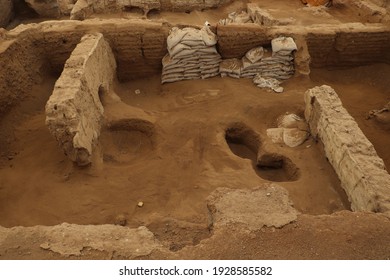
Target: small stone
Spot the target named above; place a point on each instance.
(268, 194)
(45, 246)
(140, 204)
(137, 91)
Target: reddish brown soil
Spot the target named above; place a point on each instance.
(188, 159)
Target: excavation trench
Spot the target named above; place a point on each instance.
(175, 161)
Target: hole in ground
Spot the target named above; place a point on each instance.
(276, 167)
(245, 143)
(126, 140)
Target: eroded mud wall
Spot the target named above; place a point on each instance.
(328, 45)
(351, 45)
(22, 63)
(30, 50)
(362, 173)
(235, 40)
(74, 111)
(138, 46)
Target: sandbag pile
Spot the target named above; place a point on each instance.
(191, 55)
(260, 63)
(292, 130)
(278, 65)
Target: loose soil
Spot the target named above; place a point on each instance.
(189, 158)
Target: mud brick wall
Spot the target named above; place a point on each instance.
(190, 5)
(362, 173)
(329, 45)
(234, 40)
(138, 46)
(29, 50)
(74, 111)
(349, 46)
(22, 62)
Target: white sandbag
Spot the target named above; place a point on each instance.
(255, 54)
(294, 137)
(177, 49)
(174, 37)
(232, 65)
(270, 83)
(276, 135)
(205, 76)
(210, 71)
(193, 43)
(184, 53)
(208, 37)
(283, 44)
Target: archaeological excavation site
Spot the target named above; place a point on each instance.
(194, 129)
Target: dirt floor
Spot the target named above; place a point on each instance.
(189, 155)
(173, 172)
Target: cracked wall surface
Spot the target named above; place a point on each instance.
(362, 173)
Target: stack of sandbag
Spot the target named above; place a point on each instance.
(292, 130)
(278, 65)
(262, 63)
(230, 67)
(191, 55)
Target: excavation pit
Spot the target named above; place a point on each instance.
(164, 149)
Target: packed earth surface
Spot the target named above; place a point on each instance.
(116, 144)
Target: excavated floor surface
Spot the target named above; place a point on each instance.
(190, 157)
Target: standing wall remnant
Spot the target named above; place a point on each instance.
(74, 111)
(361, 171)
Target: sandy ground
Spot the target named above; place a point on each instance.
(174, 172)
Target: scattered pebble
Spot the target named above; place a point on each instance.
(45, 246)
(140, 204)
(137, 91)
(268, 194)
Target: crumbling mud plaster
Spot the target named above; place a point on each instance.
(70, 240)
(74, 111)
(362, 173)
(266, 205)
